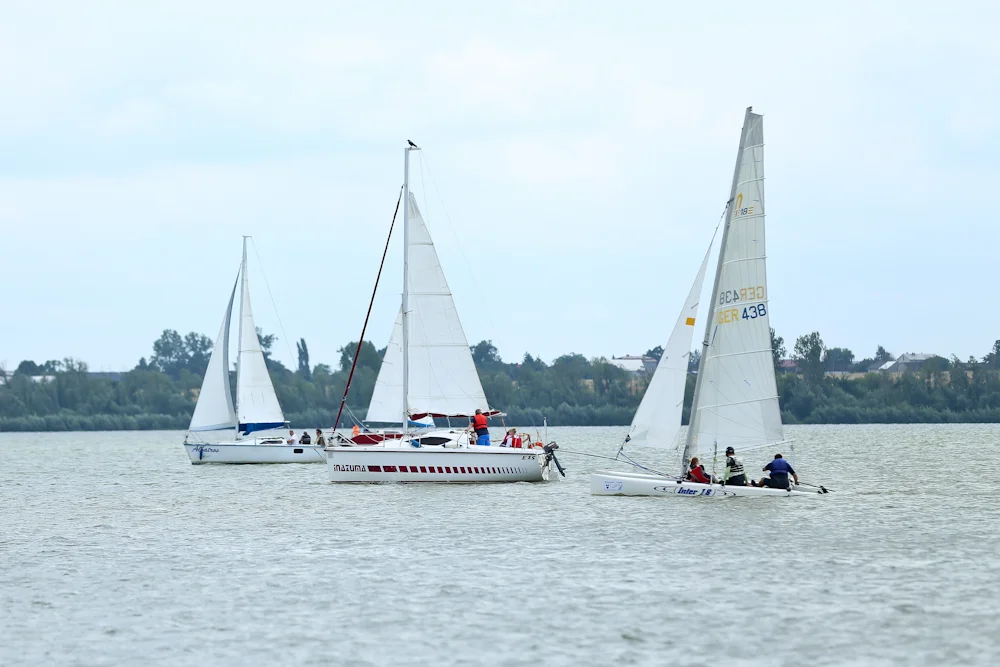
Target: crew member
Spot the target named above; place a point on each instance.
(734, 475)
(320, 440)
(511, 439)
(479, 424)
(697, 473)
(780, 469)
(305, 439)
(291, 438)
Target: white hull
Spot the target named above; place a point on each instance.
(249, 452)
(640, 484)
(473, 464)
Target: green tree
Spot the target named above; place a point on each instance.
(838, 359)
(170, 354)
(778, 350)
(303, 353)
(808, 356)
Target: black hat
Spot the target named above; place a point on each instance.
(730, 450)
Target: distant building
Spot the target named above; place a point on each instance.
(635, 365)
(788, 366)
(911, 361)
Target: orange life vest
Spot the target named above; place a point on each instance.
(479, 423)
(355, 430)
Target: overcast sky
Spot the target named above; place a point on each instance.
(581, 155)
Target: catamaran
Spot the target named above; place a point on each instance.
(736, 395)
(226, 431)
(428, 371)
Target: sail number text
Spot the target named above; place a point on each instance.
(742, 294)
(728, 315)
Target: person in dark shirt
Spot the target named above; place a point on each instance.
(780, 469)
(305, 439)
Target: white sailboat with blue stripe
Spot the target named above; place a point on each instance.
(244, 430)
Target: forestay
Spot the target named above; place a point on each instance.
(214, 409)
(736, 402)
(658, 418)
(442, 376)
(256, 403)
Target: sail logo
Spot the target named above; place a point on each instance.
(350, 468)
(740, 210)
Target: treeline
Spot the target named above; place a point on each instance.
(161, 391)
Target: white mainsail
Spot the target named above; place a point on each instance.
(736, 398)
(214, 409)
(658, 418)
(442, 378)
(256, 403)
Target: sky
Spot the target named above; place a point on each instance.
(577, 157)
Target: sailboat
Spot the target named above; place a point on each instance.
(226, 431)
(428, 371)
(736, 396)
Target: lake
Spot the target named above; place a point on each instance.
(115, 550)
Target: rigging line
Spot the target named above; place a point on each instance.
(271, 296)
(475, 283)
(361, 339)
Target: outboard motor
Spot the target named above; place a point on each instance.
(550, 455)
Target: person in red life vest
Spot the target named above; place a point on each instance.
(697, 473)
(479, 424)
(511, 439)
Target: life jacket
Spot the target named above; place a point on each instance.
(735, 467)
(355, 430)
(479, 423)
(779, 467)
(518, 442)
(698, 475)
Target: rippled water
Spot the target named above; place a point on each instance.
(115, 550)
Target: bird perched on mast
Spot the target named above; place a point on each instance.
(412, 144)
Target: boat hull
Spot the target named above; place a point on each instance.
(470, 465)
(235, 452)
(636, 484)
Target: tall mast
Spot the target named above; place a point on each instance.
(239, 344)
(406, 281)
(710, 317)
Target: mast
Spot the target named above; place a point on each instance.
(239, 351)
(710, 319)
(406, 282)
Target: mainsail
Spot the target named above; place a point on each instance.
(442, 379)
(736, 398)
(256, 403)
(658, 418)
(214, 409)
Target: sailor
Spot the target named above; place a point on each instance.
(320, 440)
(511, 439)
(479, 424)
(697, 473)
(780, 470)
(291, 438)
(305, 439)
(734, 475)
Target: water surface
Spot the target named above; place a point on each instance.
(115, 550)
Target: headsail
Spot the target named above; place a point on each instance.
(442, 376)
(214, 409)
(658, 418)
(736, 401)
(386, 405)
(256, 403)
